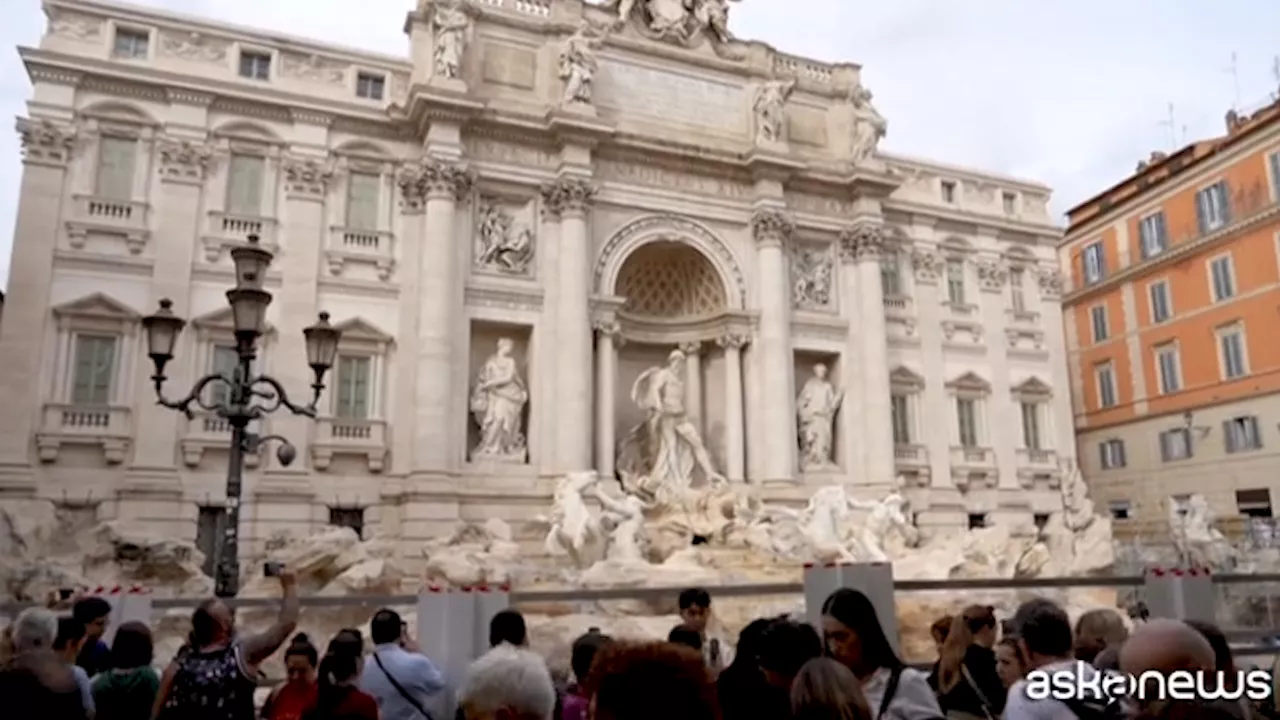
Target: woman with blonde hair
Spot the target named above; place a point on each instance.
(826, 690)
(966, 681)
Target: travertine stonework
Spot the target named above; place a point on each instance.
(688, 190)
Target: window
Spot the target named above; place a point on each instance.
(352, 398)
(1254, 503)
(948, 191)
(1040, 520)
(1169, 368)
(1111, 454)
(1016, 293)
(116, 157)
(1031, 425)
(1106, 379)
(244, 184)
(890, 274)
(1233, 357)
(1161, 306)
(255, 65)
(370, 86)
(955, 282)
(131, 44)
(1175, 444)
(94, 371)
(1181, 503)
(208, 534)
(363, 192)
(967, 420)
(224, 360)
(1010, 202)
(901, 417)
(1223, 276)
(1213, 209)
(1120, 509)
(1153, 235)
(1095, 264)
(1241, 434)
(1098, 319)
(1275, 173)
(977, 521)
(348, 518)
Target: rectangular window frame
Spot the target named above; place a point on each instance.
(1108, 395)
(1111, 454)
(121, 188)
(136, 43)
(373, 222)
(247, 202)
(901, 418)
(1153, 234)
(110, 387)
(1018, 289)
(947, 188)
(1213, 207)
(371, 85)
(1241, 434)
(338, 410)
(1169, 378)
(1168, 445)
(1166, 297)
(891, 274)
(252, 70)
(1032, 430)
(1224, 260)
(1093, 261)
(1224, 367)
(1099, 323)
(1009, 202)
(1120, 509)
(970, 437)
(956, 285)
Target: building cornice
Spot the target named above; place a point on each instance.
(1044, 234)
(959, 172)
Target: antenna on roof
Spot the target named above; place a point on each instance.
(1172, 124)
(1275, 75)
(1234, 70)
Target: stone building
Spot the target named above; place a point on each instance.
(1174, 282)
(596, 190)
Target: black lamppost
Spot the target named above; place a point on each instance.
(248, 396)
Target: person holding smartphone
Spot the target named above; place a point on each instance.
(406, 684)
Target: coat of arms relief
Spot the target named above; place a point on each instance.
(678, 21)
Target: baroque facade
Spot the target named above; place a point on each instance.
(510, 224)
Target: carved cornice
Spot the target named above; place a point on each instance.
(53, 75)
(992, 274)
(864, 241)
(927, 265)
(772, 227)
(44, 142)
(311, 117)
(733, 341)
(306, 176)
(567, 195)
(691, 348)
(182, 96)
(433, 178)
(183, 160)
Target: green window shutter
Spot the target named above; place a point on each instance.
(116, 160)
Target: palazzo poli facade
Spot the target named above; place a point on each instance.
(511, 224)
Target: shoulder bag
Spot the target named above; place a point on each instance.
(400, 689)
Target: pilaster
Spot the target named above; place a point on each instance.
(936, 408)
(772, 229)
(1002, 430)
(734, 438)
(693, 384)
(864, 245)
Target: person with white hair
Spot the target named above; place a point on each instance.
(36, 683)
(508, 683)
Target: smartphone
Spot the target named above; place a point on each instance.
(272, 569)
(65, 593)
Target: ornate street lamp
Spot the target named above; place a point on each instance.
(248, 397)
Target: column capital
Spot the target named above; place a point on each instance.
(992, 274)
(433, 178)
(44, 143)
(1051, 283)
(864, 241)
(567, 195)
(610, 328)
(184, 160)
(307, 177)
(691, 348)
(733, 340)
(927, 265)
(771, 227)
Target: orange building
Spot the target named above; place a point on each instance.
(1172, 318)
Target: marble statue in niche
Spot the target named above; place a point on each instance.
(816, 409)
(660, 455)
(811, 275)
(578, 63)
(452, 31)
(500, 245)
(497, 403)
(869, 126)
(770, 110)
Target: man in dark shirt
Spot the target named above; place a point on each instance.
(92, 612)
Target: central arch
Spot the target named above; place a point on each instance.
(665, 243)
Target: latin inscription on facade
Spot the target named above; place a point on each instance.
(675, 97)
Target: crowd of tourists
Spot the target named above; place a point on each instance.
(57, 666)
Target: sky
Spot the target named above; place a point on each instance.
(1070, 93)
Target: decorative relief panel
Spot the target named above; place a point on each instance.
(192, 46)
(182, 160)
(1022, 340)
(1050, 283)
(312, 68)
(660, 177)
(637, 90)
(504, 237)
(307, 176)
(811, 277)
(928, 265)
(73, 25)
(992, 274)
(669, 280)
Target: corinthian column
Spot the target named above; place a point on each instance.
(863, 244)
(607, 340)
(735, 448)
(570, 199)
(772, 229)
(693, 383)
(438, 437)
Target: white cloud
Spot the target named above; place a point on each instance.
(1069, 92)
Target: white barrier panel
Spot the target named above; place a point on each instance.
(489, 602)
(875, 580)
(1180, 594)
(460, 633)
(134, 605)
(433, 622)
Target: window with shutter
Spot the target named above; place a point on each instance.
(93, 370)
(1016, 294)
(353, 388)
(1275, 174)
(1234, 364)
(224, 361)
(1167, 361)
(1111, 454)
(1151, 231)
(1223, 276)
(890, 275)
(116, 157)
(1161, 309)
(1240, 434)
(244, 184)
(1098, 318)
(362, 201)
(1095, 266)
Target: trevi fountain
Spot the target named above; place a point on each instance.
(640, 304)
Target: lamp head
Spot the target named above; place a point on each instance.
(162, 328)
